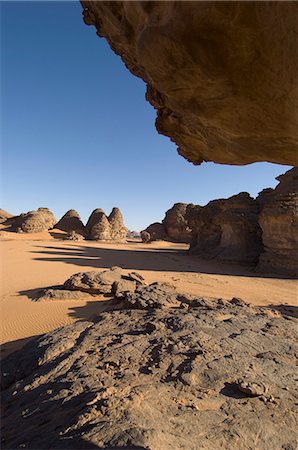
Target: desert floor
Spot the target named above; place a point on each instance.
(31, 262)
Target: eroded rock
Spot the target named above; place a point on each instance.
(71, 223)
(221, 75)
(118, 230)
(33, 221)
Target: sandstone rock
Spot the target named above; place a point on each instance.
(61, 294)
(94, 282)
(162, 380)
(156, 232)
(227, 230)
(33, 221)
(156, 295)
(122, 287)
(93, 219)
(73, 236)
(279, 224)
(253, 388)
(118, 230)
(176, 225)
(71, 222)
(221, 75)
(4, 215)
(101, 230)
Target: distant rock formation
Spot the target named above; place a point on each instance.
(71, 222)
(4, 215)
(101, 230)
(131, 234)
(118, 230)
(94, 217)
(228, 230)
(33, 221)
(222, 76)
(155, 232)
(279, 223)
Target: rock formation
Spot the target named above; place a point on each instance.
(155, 232)
(215, 375)
(118, 230)
(4, 215)
(93, 219)
(176, 225)
(101, 230)
(279, 223)
(227, 230)
(71, 222)
(221, 75)
(33, 221)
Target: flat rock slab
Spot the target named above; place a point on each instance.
(159, 379)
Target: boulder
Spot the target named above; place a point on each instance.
(155, 296)
(145, 236)
(221, 75)
(279, 223)
(118, 230)
(71, 222)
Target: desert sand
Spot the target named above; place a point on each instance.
(31, 262)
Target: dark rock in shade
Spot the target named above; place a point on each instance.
(71, 222)
(176, 225)
(221, 75)
(33, 222)
(279, 224)
(155, 232)
(118, 230)
(228, 230)
(164, 379)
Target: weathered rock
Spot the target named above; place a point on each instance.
(57, 293)
(163, 379)
(118, 230)
(221, 75)
(111, 281)
(101, 230)
(74, 236)
(93, 219)
(33, 221)
(155, 232)
(176, 225)
(71, 222)
(227, 230)
(279, 223)
(253, 388)
(156, 295)
(4, 215)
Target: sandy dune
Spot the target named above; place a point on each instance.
(36, 261)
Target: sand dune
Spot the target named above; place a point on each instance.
(36, 261)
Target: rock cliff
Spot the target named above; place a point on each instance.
(221, 75)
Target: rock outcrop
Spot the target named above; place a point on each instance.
(71, 222)
(155, 232)
(4, 216)
(101, 230)
(118, 230)
(215, 375)
(93, 219)
(33, 221)
(279, 223)
(176, 225)
(221, 75)
(228, 230)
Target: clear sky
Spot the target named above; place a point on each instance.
(78, 133)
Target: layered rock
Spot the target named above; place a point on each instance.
(71, 222)
(33, 222)
(221, 75)
(216, 375)
(279, 223)
(118, 230)
(228, 230)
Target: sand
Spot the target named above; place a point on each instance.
(30, 262)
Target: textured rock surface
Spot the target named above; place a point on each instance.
(93, 219)
(33, 221)
(156, 295)
(155, 232)
(221, 75)
(279, 223)
(118, 230)
(71, 222)
(227, 230)
(176, 225)
(159, 380)
(101, 230)
(4, 215)
(106, 282)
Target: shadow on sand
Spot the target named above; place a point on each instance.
(165, 260)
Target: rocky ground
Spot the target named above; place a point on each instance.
(201, 375)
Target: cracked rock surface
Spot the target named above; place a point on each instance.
(159, 379)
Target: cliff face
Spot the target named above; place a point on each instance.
(279, 223)
(221, 75)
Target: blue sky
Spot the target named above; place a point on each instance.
(78, 133)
